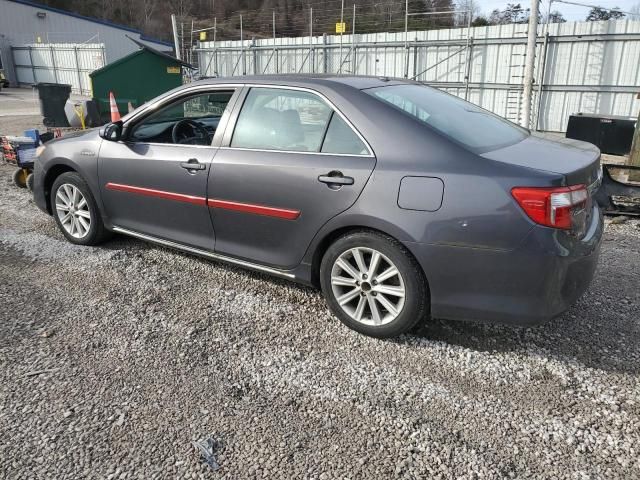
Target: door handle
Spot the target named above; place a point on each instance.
(335, 179)
(193, 164)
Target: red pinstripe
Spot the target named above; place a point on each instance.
(283, 213)
(256, 209)
(149, 192)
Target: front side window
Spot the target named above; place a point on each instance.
(192, 120)
(475, 128)
(281, 119)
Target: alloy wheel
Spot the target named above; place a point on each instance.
(73, 210)
(368, 286)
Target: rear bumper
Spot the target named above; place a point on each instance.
(532, 284)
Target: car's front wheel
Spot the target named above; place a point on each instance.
(373, 284)
(75, 210)
(20, 178)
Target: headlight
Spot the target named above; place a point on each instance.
(39, 150)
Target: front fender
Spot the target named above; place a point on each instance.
(78, 154)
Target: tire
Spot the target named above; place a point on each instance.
(401, 300)
(63, 188)
(19, 178)
(29, 182)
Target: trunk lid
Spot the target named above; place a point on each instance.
(578, 161)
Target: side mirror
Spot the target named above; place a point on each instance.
(111, 131)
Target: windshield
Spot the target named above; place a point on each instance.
(469, 125)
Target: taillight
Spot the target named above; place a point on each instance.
(556, 207)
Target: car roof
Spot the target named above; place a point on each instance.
(295, 80)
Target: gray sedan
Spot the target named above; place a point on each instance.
(399, 201)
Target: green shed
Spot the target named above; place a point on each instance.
(136, 78)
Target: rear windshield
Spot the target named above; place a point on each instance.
(473, 127)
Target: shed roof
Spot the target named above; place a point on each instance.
(143, 48)
(158, 52)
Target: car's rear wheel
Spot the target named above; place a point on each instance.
(373, 284)
(75, 210)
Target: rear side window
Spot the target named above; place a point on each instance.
(281, 119)
(475, 128)
(341, 139)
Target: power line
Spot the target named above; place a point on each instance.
(371, 17)
(579, 4)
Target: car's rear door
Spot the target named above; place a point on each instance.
(151, 185)
(289, 162)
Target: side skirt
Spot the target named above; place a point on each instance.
(206, 254)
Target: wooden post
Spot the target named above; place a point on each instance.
(530, 62)
(634, 155)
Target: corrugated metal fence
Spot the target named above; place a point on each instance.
(590, 67)
(58, 63)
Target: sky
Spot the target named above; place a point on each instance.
(570, 12)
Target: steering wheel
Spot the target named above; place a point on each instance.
(198, 133)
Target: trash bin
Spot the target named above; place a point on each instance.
(53, 97)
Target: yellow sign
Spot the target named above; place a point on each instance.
(173, 69)
(341, 27)
(203, 36)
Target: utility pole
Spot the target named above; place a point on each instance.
(244, 60)
(215, 54)
(274, 54)
(353, 41)
(406, 39)
(176, 42)
(341, 33)
(530, 61)
(634, 155)
(191, 44)
(312, 60)
(469, 54)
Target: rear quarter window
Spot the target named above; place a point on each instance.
(341, 139)
(474, 128)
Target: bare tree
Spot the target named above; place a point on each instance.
(513, 13)
(386, 8)
(554, 17)
(598, 14)
(181, 8)
(466, 7)
(148, 9)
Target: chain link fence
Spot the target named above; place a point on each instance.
(588, 67)
(58, 63)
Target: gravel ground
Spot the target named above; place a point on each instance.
(113, 360)
(18, 124)
(20, 110)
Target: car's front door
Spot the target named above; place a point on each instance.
(289, 164)
(154, 181)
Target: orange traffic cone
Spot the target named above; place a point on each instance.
(115, 114)
(130, 107)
